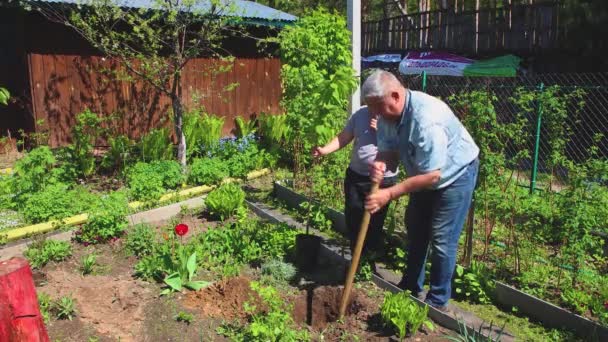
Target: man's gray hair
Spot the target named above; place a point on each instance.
(379, 84)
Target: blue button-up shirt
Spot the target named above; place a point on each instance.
(428, 137)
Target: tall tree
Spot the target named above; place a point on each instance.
(153, 44)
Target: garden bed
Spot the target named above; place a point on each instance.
(110, 304)
(524, 303)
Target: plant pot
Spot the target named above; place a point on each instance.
(307, 251)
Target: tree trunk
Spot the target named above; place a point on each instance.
(20, 318)
(178, 113)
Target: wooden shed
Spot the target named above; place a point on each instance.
(53, 74)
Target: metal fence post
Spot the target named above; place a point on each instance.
(541, 87)
(424, 81)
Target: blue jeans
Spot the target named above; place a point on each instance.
(436, 217)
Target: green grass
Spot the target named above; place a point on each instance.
(521, 327)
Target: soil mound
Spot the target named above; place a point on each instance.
(224, 299)
(320, 306)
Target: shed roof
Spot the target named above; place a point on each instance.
(245, 9)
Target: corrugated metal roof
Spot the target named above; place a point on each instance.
(244, 9)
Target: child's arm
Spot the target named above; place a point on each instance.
(338, 142)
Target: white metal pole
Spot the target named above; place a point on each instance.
(353, 10)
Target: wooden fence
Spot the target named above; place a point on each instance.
(513, 28)
(64, 85)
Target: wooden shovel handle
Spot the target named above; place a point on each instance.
(354, 263)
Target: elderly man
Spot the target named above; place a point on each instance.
(440, 159)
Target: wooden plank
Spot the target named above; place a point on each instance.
(276, 85)
(254, 92)
(38, 88)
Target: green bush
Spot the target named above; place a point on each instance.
(207, 171)
(149, 181)
(32, 173)
(140, 240)
(156, 145)
(474, 283)
(84, 136)
(119, 154)
(107, 220)
(171, 172)
(57, 202)
(42, 252)
(225, 200)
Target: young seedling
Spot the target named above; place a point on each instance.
(184, 317)
(89, 262)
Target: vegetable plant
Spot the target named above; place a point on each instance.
(225, 200)
(45, 302)
(42, 252)
(402, 313)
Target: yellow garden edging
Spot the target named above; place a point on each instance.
(22, 232)
(6, 171)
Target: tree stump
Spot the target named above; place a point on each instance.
(20, 318)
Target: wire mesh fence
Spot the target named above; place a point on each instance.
(584, 98)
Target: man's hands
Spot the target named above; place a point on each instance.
(318, 151)
(376, 171)
(375, 202)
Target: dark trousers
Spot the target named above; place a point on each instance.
(356, 188)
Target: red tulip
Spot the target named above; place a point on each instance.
(606, 305)
(181, 229)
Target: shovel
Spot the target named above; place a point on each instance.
(354, 263)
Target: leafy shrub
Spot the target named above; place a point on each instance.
(57, 202)
(140, 240)
(156, 145)
(314, 216)
(119, 154)
(148, 181)
(402, 313)
(207, 171)
(42, 252)
(171, 172)
(225, 200)
(241, 155)
(107, 220)
(84, 136)
(317, 82)
(473, 283)
(279, 270)
(6, 191)
(33, 172)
